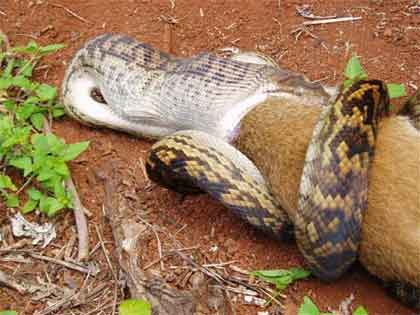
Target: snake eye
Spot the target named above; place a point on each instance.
(97, 96)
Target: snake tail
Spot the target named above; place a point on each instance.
(333, 189)
(191, 161)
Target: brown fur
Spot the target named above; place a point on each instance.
(275, 135)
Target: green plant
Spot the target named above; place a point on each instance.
(281, 278)
(354, 72)
(135, 307)
(8, 313)
(308, 307)
(40, 159)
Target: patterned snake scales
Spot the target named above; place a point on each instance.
(195, 105)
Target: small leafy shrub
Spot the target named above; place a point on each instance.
(41, 159)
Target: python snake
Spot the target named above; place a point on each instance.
(197, 105)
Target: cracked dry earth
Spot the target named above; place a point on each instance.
(387, 39)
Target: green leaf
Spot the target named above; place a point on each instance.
(61, 168)
(23, 82)
(274, 273)
(396, 90)
(25, 111)
(26, 68)
(135, 307)
(24, 163)
(58, 112)
(40, 143)
(308, 307)
(8, 313)
(6, 182)
(34, 194)
(9, 68)
(360, 310)
(29, 206)
(281, 277)
(12, 201)
(37, 121)
(31, 48)
(354, 69)
(46, 92)
(5, 82)
(299, 273)
(45, 173)
(74, 149)
(283, 282)
(50, 206)
(10, 105)
(50, 48)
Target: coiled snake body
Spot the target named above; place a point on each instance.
(197, 104)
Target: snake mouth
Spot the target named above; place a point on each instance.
(97, 96)
(83, 99)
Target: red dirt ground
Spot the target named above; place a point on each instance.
(387, 39)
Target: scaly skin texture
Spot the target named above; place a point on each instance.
(334, 182)
(152, 94)
(390, 239)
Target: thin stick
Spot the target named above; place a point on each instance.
(336, 20)
(67, 264)
(79, 215)
(70, 12)
(81, 222)
(108, 260)
(159, 245)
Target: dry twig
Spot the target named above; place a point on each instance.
(67, 264)
(159, 244)
(78, 210)
(108, 260)
(70, 12)
(334, 20)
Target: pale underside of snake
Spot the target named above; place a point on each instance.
(197, 104)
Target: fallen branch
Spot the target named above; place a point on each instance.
(81, 222)
(127, 232)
